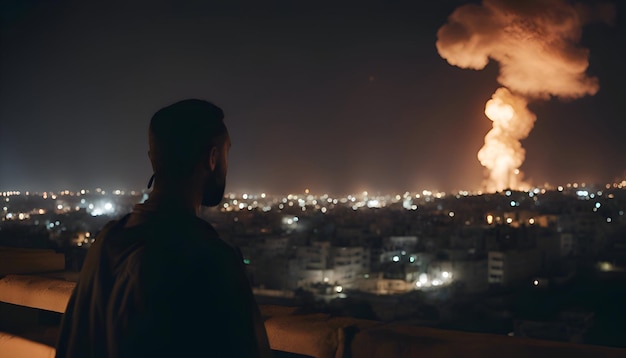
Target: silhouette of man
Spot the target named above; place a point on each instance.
(160, 282)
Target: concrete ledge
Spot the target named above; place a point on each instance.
(36, 292)
(314, 334)
(308, 334)
(29, 261)
(16, 347)
(396, 340)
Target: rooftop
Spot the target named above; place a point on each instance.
(26, 298)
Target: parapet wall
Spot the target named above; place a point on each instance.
(313, 334)
(29, 261)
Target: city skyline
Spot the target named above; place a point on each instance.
(337, 99)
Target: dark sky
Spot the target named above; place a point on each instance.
(335, 98)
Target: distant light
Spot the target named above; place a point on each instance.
(59, 206)
(108, 206)
(560, 188)
(423, 278)
(412, 259)
(323, 210)
(445, 274)
(513, 203)
(489, 219)
(396, 258)
(507, 193)
(246, 261)
(436, 282)
(338, 289)
(245, 196)
(608, 220)
(509, 220)
(451, 214)
(598, 205)
(531, 221)
(536, 283)
(605, 266)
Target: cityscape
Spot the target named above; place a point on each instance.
(546, 263)
(361, 132)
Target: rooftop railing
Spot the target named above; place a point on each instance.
(290, 333)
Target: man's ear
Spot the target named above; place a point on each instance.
(213, 157)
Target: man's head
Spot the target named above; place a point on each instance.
(188, 140)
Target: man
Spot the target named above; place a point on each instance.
(160, 282)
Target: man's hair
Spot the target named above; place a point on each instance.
(181, 133)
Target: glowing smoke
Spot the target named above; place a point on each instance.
(502, 153)
(535, 43)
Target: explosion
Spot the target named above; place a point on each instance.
(535, 43)
(502, 153)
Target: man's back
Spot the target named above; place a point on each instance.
(157, 284)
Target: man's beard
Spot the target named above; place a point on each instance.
(214, 187)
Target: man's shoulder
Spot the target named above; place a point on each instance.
(187, 233)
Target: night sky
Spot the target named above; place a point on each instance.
(334, 98)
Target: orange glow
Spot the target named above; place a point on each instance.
(502, 153)
(497, 110)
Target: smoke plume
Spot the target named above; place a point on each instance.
(536, 44)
